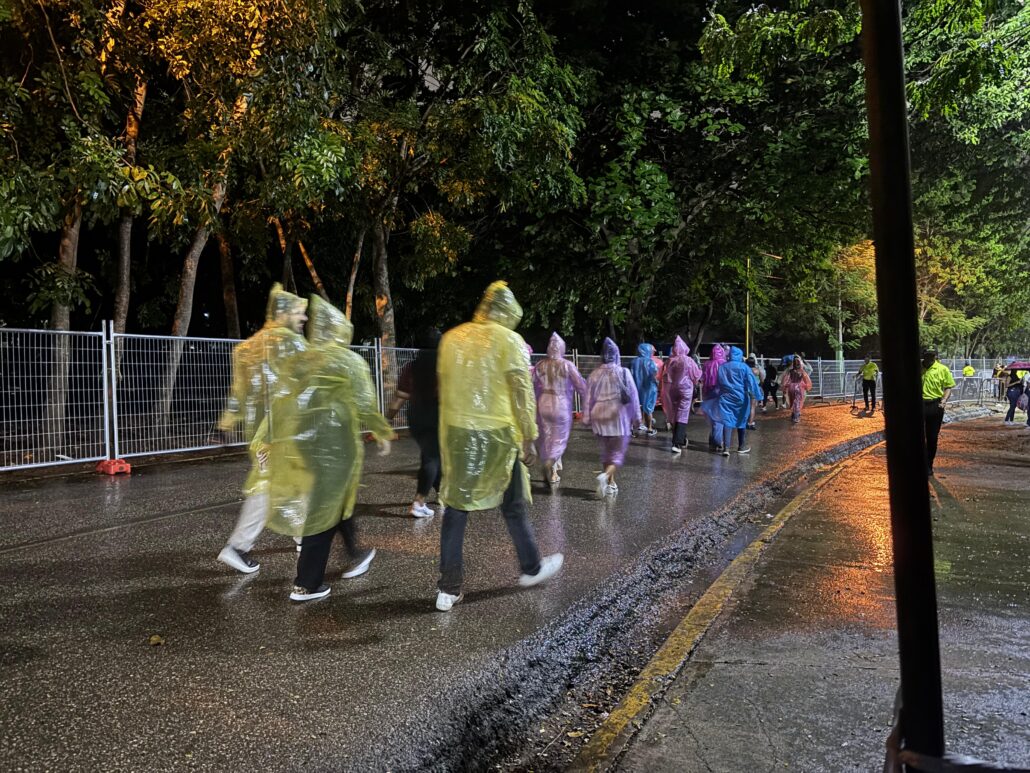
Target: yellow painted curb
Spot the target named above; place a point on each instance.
(609, 739)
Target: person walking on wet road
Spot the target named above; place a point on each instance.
(416, 385)
(611, 410)
(796, 383)
(710, 396)
(737, 388)
(1015, 388)
(678, 381)
(316, 451)
(937, 385)
(264, 371)
(759, 371)
(487, 429)
(645, 376)
(770, 385)
(867, 373)
(555, 382)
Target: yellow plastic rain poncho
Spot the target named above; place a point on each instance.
(264, 370)
(316, 452)
(487, 407)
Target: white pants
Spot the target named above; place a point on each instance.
(250, 523)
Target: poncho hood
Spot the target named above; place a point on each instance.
(327, 324)
(736, 355)
(610, 351)
(645, 351)
(556, 347)
(499, 305)
(680, 348)
(282, 302)
(719, 354)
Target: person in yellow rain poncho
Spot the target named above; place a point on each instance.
(264, 371)
(487, 421)
(315, 450)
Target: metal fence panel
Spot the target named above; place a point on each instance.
(52, 398)
(169, 392)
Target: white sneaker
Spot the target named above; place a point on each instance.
(611, 490)
(652, 432)
(676, 450)
(241, 562)
(557, 465)
(359, 566)
(642, 428)
(1010, 423)
(549, 567)
(421, 510)
(444, 601)
(602, 484)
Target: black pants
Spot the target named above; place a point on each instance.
(516, 516)
(1013, 394)
(933, 415)
(679, 434)
(428, 439)
(314, 553)
(869, 390)
(769, 391)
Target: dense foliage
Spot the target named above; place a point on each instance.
(636, 169)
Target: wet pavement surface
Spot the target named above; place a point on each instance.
(369, 678)
(800, 670)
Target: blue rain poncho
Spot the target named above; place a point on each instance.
(737, 388)
(645, 376)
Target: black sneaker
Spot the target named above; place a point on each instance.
(241, 562)
(303, 594)
(360, 564)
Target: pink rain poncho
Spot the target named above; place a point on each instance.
(710, 386)
(612, 405)
(678, 379)
(555, 380)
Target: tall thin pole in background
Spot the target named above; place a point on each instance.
(921, 719)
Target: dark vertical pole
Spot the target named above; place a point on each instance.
(922, 723)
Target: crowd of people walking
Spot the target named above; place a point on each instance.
(482, 416)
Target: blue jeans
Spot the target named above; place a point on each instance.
(1013, 395)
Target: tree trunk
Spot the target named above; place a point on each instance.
(289, 283)
(121, 297)
(60, 319)
(319, 287)
(696, 340)
(232, 314)
(349, 304)
(384, 302)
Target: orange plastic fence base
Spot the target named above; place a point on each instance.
(114, 467)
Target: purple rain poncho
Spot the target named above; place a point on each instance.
(710, 384)
(645, 376)
(737, 388)
(681, 373)
(610, 418)
(555, 380)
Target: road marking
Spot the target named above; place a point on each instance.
(618, 728)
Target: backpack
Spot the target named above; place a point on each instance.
(1023, 402)
(612, 394)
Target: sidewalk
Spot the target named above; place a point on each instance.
(800, 668)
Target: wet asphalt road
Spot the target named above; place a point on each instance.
(94, 566)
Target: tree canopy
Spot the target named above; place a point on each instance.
(632, 169)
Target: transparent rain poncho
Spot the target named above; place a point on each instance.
(487, 407)
(264, 370)
(681, 373)
(645, 376)
(710, 384)
(612, 406)
(555, 381)
(315, 445)
(737, 388)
